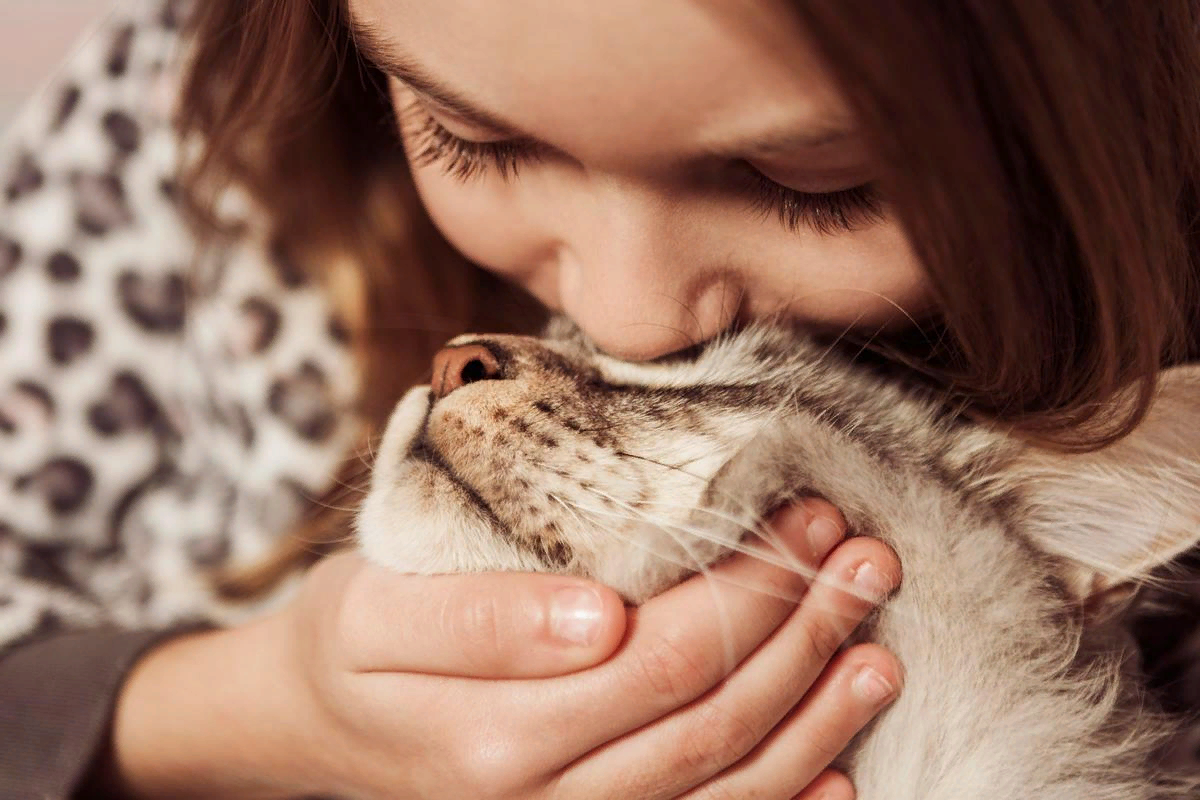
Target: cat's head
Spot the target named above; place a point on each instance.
(546, 455)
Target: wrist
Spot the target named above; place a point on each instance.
(203, 715)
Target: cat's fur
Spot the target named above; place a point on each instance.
(1020, 682)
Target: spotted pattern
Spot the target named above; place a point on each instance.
(154, 303)
(26, 177)
(63, 267)
(160, 415)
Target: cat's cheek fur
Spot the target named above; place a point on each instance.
(415, 518)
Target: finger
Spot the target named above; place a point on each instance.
(689, 746)
(858, 685)
(829, 785)
(491, 625)
(683, 642)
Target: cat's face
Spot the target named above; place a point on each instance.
(565, 460)
(542, 454)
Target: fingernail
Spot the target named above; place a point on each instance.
(575, 615)
(823, 536)
(871, 582)
(872, 687)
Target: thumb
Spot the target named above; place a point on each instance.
(483, 625)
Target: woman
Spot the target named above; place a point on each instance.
(998, 194)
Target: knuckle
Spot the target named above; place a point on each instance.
(478, 623)
(824, 745)
(794, 582)
(671, 671)
(717, 790)
(494, 768)
(349, 619)
(720, 738)
(824, 750)
(823, 635)
(831, 785)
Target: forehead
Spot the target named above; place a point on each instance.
(592, 77)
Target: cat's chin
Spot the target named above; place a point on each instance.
(417, 517)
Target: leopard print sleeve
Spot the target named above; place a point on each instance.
(165, 408)
(91, 301)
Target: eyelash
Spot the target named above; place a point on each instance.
(841, 211)
(461, 158)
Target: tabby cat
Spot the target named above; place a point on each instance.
(1020, 681)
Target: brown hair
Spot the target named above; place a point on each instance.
(288, 112)
(1043, 158)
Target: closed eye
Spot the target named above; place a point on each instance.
(464, 159)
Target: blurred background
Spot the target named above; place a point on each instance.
(35, 36)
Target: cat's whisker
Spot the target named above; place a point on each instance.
(351, 488)
(785, 560)
(699, 567)
(738, 304)
(332, 507)
(695, 564)
(371, 442)
(700, 337)
(750, 522)
(577, 510)
(354, 489)
(914, 325)
(319, 544)
(648, 460)
(721, 576)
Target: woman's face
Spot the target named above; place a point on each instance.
(656, 170)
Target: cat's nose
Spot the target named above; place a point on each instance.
(455, 367)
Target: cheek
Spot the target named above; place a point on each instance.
(490, 223)
(486, 219)
(869, 277)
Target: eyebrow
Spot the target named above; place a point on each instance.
(787, 142)
(372, 46)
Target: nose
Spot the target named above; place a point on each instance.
(455, 367)
(637, 278)
(635, 317)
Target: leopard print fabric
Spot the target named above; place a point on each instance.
(163, 411)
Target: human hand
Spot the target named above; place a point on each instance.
(369, 685)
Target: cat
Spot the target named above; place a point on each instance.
(1020, 681)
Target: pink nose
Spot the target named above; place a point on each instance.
(455, 367)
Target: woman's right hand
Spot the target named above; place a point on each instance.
(377, 685)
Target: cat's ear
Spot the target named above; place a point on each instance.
(1117, 513)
